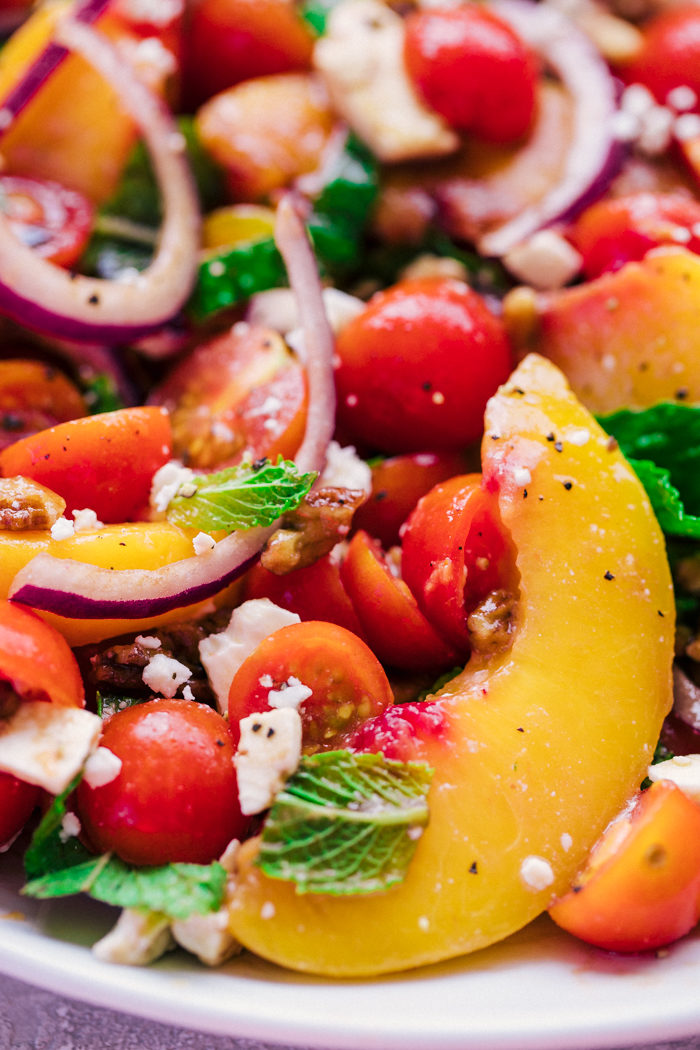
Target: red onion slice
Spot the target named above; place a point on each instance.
(595, 153)
(74, 589)
(45, 297)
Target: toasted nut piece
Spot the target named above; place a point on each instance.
(25, 504)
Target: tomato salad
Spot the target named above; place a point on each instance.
(350, 407)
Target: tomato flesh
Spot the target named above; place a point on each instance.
(17, 802)
(670, 54)
(52, 220)
(34, 396)
(36, 662)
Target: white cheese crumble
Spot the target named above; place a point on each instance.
(165, 675)
(545, 261)
(268, 753)
(187, 693)
(223, 653)
(147, 641)
(86, 519)
(522, 476)
(536, 873)
(566, 841)
(683, 770)
(102, 767)
(62, 529)
(203, 543)
(136, 939)
(47, 745)
(166, 484)
(277, 308)
(70, 827)
(344, 469)
(290, 694)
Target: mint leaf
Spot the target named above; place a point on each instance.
(109, 704)
(47, 851)
(666, 500)
(176, 890)
(346, 823)
(240, 497)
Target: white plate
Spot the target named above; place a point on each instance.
(540, 990)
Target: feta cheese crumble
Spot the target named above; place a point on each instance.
(102, 767)
(536, 873)
(47, 745)
(268, 753)
(290, 694)
(683, 770)
(164, 675)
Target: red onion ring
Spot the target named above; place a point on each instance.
(45, 297)
(74, 589)
(595, 153)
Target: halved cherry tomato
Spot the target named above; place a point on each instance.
(53, 220)
(395, 628)
(176, 796)
(34, 396)
(347, 681)
(36, 662)
(619, 230)
(398, 482)
(473, 69)
(17, 802)
(418, 366)
(105, 462)
(670, 55)
(233, 40)
(239, 395)
(315, 592)
(450, 567)
(641, 886)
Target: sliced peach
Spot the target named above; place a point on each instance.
(534, 750)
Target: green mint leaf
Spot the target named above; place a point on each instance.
(346, 823)
(109, 704)
(240, 497)
(49, 850)
(666, 500)
(230, 275)
(315, 13)
(101, 394)
(175, 890)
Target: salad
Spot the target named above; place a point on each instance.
(349, 517)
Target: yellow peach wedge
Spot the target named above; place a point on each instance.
(535, 749)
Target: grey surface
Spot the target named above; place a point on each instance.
(32, 1019)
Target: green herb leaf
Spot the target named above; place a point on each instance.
(241, 497)
(346, 823)
(231, 275)
(666, 500)
(315, 13)
(109, 704)
(101, 394)
(48, 851)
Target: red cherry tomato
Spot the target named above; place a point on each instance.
(105, 462)
(640, 889)
(670, 55)
(52, 220)
(418, 365)
(454, 554)
(398, 482)
(36, 662)
(34, 396)
(395, 628)
(614, 232)
(17, 802)
(315, 592)
(239, 394)
(176, 796)
(473, 69)
(347, 681)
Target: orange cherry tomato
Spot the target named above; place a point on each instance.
(17, 802)
(613, 232)
(176, 796)
(347, 682)
(670, 55)
(239, 395)
(473, 69)
(395, 628)
(450, 567)
(105, 462)
(418, 365)
(34, 396)
(49, 218)
(36, 662)
(641, 887)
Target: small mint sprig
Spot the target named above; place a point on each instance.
(240, 497)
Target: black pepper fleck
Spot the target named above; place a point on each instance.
(270, 732)
(558, 446)
(257, 727)
(608, 575)
(568, 485)
(681, 394)
(473, 868)
(94, 299)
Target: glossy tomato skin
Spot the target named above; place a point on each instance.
(347, 681)
(176, 796)
(613, 232)
(34, 396)
(670, 54)
(53, 221)
(36, 662)
(105, 462)
(450, 568)
(418, 365)
(473, 69)
(396, 630)
(641, 888)
(17, 802)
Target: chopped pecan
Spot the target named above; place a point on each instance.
(312, 530)
(491, 623)
(25, 504)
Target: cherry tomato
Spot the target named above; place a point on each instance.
(239, 395)
(36, 662)
(613, 232)
(418, 365)
(640, 889)
(398, 482)
(315, 592)
(17, 802)
(347, 681)
(670, 55)
(105, 462)
(473, 69)
(54, 221)
(233, 40)
(395, 628)
(176, 796)
(450, 567)
(34, 396)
